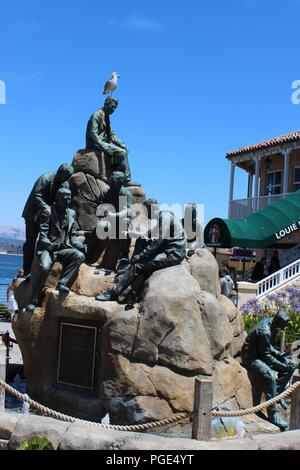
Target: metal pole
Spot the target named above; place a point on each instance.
(2, 373)
(202, 409)
(295, 406)
(282, 341)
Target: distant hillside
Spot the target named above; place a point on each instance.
(12, 233)
(11, 239)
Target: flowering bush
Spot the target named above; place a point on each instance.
(288, 299)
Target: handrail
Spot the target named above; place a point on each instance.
(278, 279)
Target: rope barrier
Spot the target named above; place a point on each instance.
(62, 417)
(143, 427)
(255, 409)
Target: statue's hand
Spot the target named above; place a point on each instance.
(135, 259)
(109, 151)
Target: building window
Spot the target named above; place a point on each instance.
(273, 185)
(296, 178)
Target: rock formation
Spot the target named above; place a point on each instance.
(88, 183)
(147, 356)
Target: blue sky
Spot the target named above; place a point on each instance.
(198, 78)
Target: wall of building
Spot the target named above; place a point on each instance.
(277, 163)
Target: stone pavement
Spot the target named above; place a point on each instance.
(16, 428)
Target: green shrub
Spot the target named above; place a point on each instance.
(36, 443)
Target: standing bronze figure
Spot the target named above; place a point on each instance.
(42, 196)
(58, 242)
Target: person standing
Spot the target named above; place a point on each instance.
(10, 297)
(274, 264)
(258, 272)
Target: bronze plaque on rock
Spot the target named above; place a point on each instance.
(77, 351)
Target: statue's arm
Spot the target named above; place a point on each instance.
(275, 352)
(44, 242)
(74, 240)
(39, 193)
(126, 210)
(115, 140)
(265, 353)
(96, 132)
(163, 232)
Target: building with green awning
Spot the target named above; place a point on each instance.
(262, 229)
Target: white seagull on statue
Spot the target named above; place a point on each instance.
(111, 84)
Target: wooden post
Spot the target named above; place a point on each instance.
(202, 409)
(295, 406)
(2, 373)
(282, 341)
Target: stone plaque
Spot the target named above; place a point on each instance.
(77, 351)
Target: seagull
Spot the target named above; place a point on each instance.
(111, 84)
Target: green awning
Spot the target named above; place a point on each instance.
(261, 229)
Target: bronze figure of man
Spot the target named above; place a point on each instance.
(58, 242)
(99, 135)
(42, 196)
(269, 370)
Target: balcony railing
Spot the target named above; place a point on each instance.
(241, 208)
(278, 279)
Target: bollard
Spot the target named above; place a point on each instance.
(202, 409)
(2, 373)
(295, 406)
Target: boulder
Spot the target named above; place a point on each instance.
(91, 162)
(148, 356)
(204, 268)
(216, 325)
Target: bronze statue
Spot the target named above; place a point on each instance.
(42, 196)
(165, 247)
(261, 360)
(114, 211)
(58, 242)
(99, 135)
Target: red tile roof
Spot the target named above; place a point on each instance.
(293, 136)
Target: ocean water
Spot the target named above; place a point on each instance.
(9, 267)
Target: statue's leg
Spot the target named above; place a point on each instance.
(267, 378)
(46, 263)
(71, 259)
(32, 231)
(164, 260)
(124, 167)
(283, 379)
(124, 281)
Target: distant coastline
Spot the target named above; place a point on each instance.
(10, 254)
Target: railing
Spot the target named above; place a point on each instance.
(241, 208)
(276, 280)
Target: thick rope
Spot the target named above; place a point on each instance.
(62, 417)
(144, 427)
(255, 409)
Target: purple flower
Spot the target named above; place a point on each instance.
(292, 291)
(273, 298)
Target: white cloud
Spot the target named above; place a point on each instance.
(137, 23)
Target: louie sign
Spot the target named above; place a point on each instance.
(288, 230)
